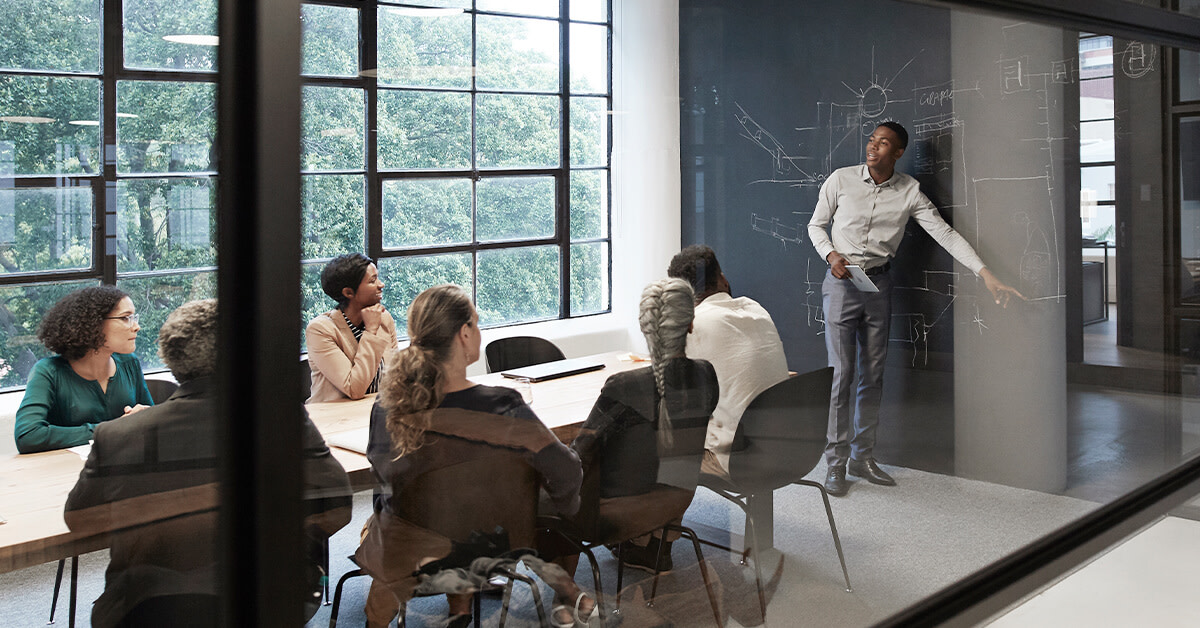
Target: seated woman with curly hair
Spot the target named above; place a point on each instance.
(95, 376)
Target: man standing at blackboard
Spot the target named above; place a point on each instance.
(859, 221)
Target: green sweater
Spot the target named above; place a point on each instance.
(60, 409)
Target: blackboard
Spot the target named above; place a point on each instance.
(776, 94)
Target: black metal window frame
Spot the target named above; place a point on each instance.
(375, 177)
(1085, 165)
(104, 267)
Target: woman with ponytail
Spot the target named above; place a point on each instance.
(645, 419)
(425, 399)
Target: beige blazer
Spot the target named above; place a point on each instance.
(342, 367)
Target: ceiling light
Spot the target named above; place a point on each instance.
(196, 40)
(26, 119)
(422, 11)
(85, 122)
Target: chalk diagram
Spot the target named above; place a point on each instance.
(936, 146)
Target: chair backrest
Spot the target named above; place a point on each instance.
(161, 389)
(518, 351)
(497, 487)
(789, 420)
(305, 377)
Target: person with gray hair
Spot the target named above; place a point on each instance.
(644, 416)
(150, 482)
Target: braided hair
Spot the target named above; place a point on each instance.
(411, 385)
(665, 316)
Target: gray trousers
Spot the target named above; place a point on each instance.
(856, 335)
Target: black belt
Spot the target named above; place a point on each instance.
(879, 269)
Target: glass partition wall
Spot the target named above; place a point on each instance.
(138, 152)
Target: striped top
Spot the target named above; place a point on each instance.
(358, 332)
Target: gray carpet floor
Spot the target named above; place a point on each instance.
(901, 544)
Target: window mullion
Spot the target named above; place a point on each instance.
(563, 207)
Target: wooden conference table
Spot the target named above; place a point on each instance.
(34, 487)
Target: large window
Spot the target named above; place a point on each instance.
(461, 143)
(1097, 156)
(107, 169)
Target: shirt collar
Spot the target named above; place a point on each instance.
(719, 296)
(865, 173)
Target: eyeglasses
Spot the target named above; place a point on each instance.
(130, 320)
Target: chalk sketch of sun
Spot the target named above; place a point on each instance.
(873, 99)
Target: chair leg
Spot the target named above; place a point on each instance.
(508, 587)
(753, 547)
(533, 589)
(662, 542)
(691, 534)
(74, 590)
(587, 551)
(57, 585)
(325, 574)
(478, 607)
(837, 542)
(337, 597)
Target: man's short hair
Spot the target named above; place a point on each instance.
(344, 271)
(697, 265)
(187, 342)
(899, 131)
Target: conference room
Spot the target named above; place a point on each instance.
(550, 157)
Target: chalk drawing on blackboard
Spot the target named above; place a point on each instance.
(873, 99)
(795, 234)
(1064, 71)
(1014, 75)
(785, 168)
(1137, 60)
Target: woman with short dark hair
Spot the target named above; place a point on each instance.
(93, 378)
(346, 345)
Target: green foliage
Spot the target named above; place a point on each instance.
(419, 130)
(148, 21)
(512, 208)
(166, 126)
(63, 35)
(426, 212)
(21, 310)
(334, 209)
(331, 134)
(51, 229)
(155, 298)
(406, 277)
(518, 285)
(166, 129)
(55, 146)
(330, 42)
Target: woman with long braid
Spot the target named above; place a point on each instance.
(425, 396)
(643, 416)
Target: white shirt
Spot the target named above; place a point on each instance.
(740, 340)
(868, 219)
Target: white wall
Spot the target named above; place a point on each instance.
(645, 179)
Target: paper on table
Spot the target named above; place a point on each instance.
(82, 450)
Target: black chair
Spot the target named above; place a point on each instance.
(508, 499)
(782, 436)
(519, 351)
(161, 389)
(612, 521)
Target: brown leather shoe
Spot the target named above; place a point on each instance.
(868, 470)
(835, 481)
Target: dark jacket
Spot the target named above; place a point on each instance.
(159, 468)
